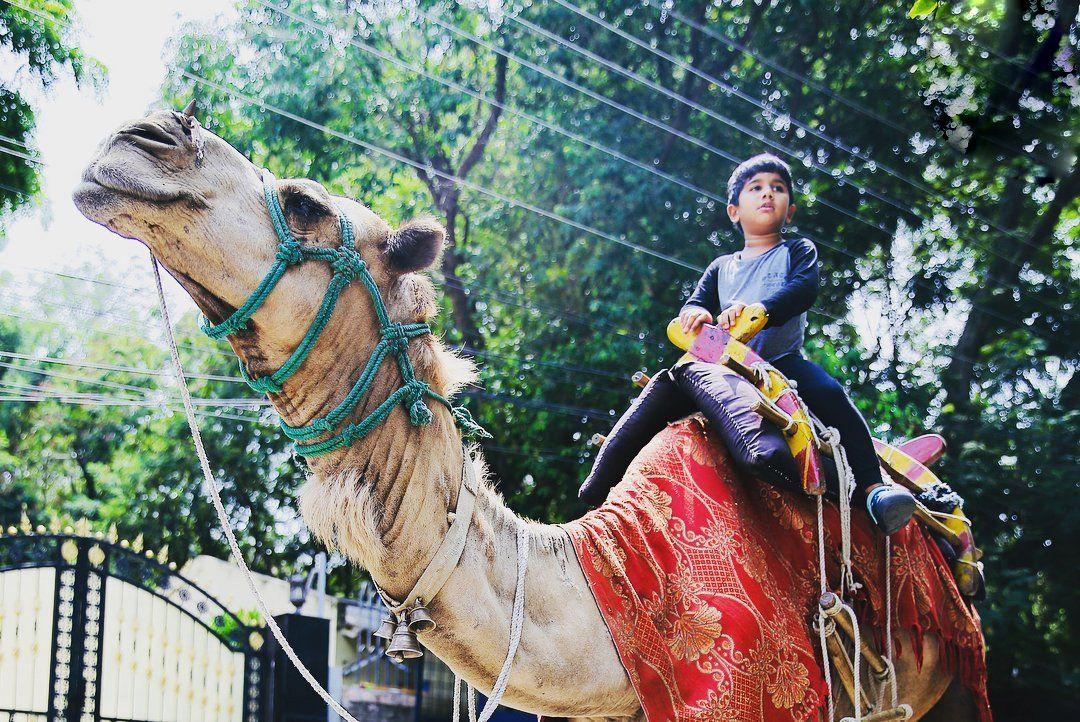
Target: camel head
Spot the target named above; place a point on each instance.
(198, 205)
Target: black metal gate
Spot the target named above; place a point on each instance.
(92, 629)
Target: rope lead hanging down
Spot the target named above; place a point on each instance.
(219, 507)
(831, 437)
(517, 620)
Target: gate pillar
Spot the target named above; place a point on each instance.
(291, 698)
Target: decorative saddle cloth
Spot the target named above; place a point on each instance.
(707, 580)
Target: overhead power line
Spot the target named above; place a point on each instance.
(413, 68)
(24, 156)
(351, 139)
(836, 142)
(249, 99)
(838, 176)
(117, 368)
(428, 168)
(16, 141)
(492, 102)
(465, 183)
(799, 77)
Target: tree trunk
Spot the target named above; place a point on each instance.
(461, 303)
(1002, 277)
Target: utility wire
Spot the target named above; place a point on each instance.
(498, 297)
(172, 409)
(566, 409)
(836, 175)
(836, 142)
(16, 141)
(503, 359)
(768, 62)
(16, 191)
(492, 102)
(24, 156)
(456, 30)
(512, 201)
(22, 368)
(396, 156)
(615, 154)
(543, 455)
(87, 279)
(801, 78)
(531, 403)
(116, 367)
(515, 202)
(428, 168)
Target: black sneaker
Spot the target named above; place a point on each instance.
(890, 507)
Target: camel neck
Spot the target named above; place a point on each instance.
(383, 499)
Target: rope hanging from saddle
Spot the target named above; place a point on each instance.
(348, 267)
(834, 611)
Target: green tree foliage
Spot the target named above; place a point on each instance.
(38, 36)
(935, 163)
(104, 438)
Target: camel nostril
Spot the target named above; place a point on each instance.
(150, 136)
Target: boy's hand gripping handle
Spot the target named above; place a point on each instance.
(751, 320)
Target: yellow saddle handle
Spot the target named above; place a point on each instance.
(750, 320)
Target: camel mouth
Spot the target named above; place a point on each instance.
(109, 180)
(93, 187)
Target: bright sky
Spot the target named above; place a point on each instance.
(129, 39)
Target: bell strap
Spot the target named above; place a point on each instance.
(449, 552)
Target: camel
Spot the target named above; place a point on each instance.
(197, 204)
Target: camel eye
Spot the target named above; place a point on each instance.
(307, 208)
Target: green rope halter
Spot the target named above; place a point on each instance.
(394, 339)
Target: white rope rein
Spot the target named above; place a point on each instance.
(822, 620)
(517, 619)
(846, 478)
(223, 517)
(856, 658)
(517, 615)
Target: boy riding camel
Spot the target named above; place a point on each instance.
(782, 275)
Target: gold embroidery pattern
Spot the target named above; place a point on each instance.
(712, 624)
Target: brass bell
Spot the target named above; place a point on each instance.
(404, 644)
(386, 629)
(420, 620)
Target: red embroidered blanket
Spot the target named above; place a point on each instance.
(707, 580)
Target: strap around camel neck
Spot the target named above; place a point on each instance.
(394, 339)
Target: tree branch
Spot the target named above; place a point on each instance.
(477, 150)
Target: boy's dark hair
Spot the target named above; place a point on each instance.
(763, 163)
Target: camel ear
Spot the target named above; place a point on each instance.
(415, 245)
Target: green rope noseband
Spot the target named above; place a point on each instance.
(394, 339)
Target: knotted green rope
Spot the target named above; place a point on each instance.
(348, 266)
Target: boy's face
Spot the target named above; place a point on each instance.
(764, 204)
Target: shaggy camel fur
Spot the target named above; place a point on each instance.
(197, 204)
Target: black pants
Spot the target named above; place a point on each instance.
(830, 403)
